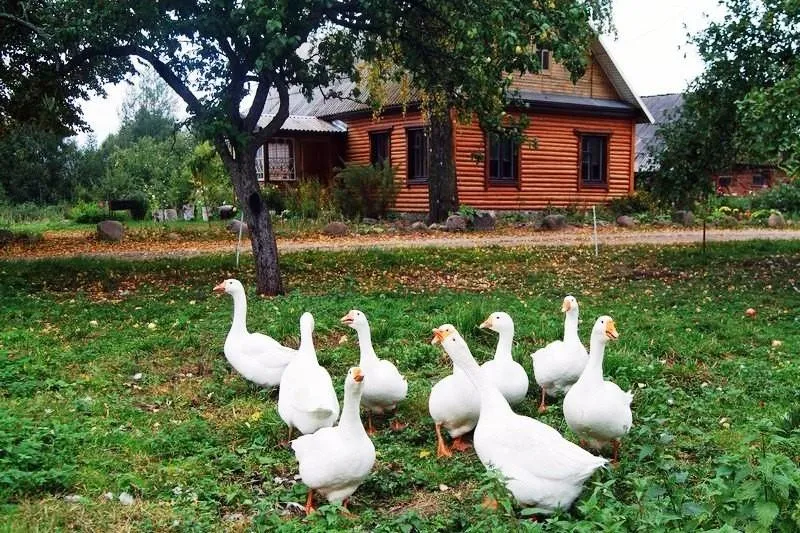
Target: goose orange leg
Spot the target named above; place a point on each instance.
(370, 427)
(542, 406)
(615, 458)
(397, 425)
(286, 443)
(310, 502)
(460, 444)
(441, 448)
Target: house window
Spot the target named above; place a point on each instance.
(724, 181)
(503, 161)
(544, 59)
(260, 163)
(280, 160)
(379, 148)
(759, 180)
(593, 162)
(417, 155)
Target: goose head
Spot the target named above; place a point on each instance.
(452, 342)
(604, 329)
(355, 319)
(355, 379)
(569, 305)
(230, 286)
(499, 322)
(307, 322)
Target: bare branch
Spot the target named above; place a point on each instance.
(24, 23)
(280, 117)
(257, 107)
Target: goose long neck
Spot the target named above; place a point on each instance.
(351, 417)
(239, 324)
(594, 367)
(366, 350)
(505, 342)
(491, 398)
(306, 348)
(571, 326)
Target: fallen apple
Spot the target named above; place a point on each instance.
(750, 312)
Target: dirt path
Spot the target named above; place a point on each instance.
(74, 245)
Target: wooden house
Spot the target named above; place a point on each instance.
(585, 135)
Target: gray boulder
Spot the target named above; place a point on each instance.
(554, 222)
(170, 215)
(436, 226)
(685, 218)
(188, 212)
(419, 226)
(484, 221)
(234, 225)
(625, 221)
(336, 229)
(776, 220)
(110, 230)
(455, 223)
(369, 221)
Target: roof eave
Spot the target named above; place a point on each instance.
(619, 81)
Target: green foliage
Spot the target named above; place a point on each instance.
(716, 428)
(29, 212)
(210, 181)
(467, 211)
(308, 198)
(365, 190)
(785, 197)
(273, 197)
(638, 202)
(89, 213)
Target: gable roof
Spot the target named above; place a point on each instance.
(328, 108)
(664, 108)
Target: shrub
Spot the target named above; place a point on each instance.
(91, 213)
(638, 202)
(365, 190)
(273, 197)
(784, 197)
(308, 199)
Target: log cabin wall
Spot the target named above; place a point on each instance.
(548, 173)
(556, 80)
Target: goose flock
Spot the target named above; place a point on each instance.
(539, 466)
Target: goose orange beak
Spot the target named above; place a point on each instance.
(611, 330)
(486, 323)
(357, 375)
(219, 288)
(347, 319)
(566, 306)
(439, 335)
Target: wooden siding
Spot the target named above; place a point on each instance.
(549, 172)
(594, 84)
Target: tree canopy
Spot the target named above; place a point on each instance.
(743, 108)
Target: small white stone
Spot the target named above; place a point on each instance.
(192, 302)
(443, 487)
(73, 498)
(137, 376)
(641, 385)
(108, 496)
(703, 385)
(93, 323)
(152, 325)
(670, 401)
(777, 344)
(125, 499)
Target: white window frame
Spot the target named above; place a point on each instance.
(280, 176)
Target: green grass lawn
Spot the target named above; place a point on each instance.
(715, 442)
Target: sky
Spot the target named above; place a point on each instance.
(650, 49)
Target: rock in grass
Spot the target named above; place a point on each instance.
(625, 221)
(683, 217)
(234, 226)
(126, 499)
(336, 229)
(455, 223)
(484, 221)
(110, 230)
(776, 220)
(554, 222)
(73, 498)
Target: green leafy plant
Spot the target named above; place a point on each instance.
(365, 190)
(92, 212)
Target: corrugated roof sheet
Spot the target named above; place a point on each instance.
(664, 108)
(303, 123)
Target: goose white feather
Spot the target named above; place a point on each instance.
(539, 466)
(306, 399)
(334, 461)
(385, 386)
(255, 356)
(559, 364)
(506, 374)
(598, 410)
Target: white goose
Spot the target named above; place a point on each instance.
(385, 386)
(257, 357)
(541, 468)
(306, 399)
(454, 405)
(506, 374)
(559, 364)
(597, 410)
(335, 461)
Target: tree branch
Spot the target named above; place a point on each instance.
(24, 23)
(177, 85)
(257, 107)
(280, 117)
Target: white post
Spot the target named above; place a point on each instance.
(239, 242)
(594, 217)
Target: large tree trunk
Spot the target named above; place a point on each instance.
(442, 190)
(265, 250)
